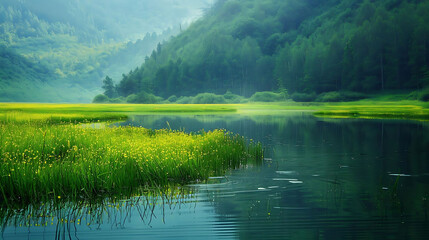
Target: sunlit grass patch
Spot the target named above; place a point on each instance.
(375, 109)
(114, 108)
(40, 162)
(63, 152)
(83, 113)
(18, 117)
(75, 113)
(52, 118)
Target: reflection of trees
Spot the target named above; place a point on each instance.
(352, 196)
(69, 217)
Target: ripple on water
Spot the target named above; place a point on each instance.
(286, 172)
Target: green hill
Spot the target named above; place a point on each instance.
(305, 46)
(60, 50)
(22, 80)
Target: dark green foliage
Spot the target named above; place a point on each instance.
(117, 100)
(303, 97)
(329, 97)
(352, 96)
(232, 98)
(172, 99)
(143, 97)
(184, 100)
(101, 98)
(423, 95)
(267, 97)
(305, 46)
(413, 95)
(14, 67)
(24, 80)
(208, 98)
(109, 87)
(343, 96)
(132, 98)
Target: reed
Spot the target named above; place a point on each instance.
(16, 117)
(42, 161)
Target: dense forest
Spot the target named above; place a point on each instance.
(60, 50)
(304, 47)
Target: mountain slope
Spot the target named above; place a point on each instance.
(77, 43)
(305, 46)
(22, 80)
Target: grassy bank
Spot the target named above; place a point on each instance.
(69, 161)
(405, 109)
(57, 113)
(81, 113)
(114, 108)
(413, 110)
(46, 154)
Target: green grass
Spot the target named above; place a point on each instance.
(42, 162)
(405, 109)
(46, 153)
(376, 107)
(82, 113)
(114, 108)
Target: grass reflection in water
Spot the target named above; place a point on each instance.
(65, 218)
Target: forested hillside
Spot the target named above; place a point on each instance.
(60, 50)
(304, 46)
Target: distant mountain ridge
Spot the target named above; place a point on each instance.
(73, 44)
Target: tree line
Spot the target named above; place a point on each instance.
(305, 46)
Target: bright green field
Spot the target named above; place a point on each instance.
(405, 109)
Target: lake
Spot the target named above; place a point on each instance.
(321, 179)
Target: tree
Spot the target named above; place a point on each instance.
(109, 87)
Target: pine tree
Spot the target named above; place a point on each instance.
(109, 87)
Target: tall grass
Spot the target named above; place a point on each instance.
(44, 161)
(58, 118)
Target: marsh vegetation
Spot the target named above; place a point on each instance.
(57, 158)
(315, 177)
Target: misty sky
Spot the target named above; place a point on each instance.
(119, 19)
(135, 17)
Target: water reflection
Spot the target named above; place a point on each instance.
(321, 179)
(110, 218)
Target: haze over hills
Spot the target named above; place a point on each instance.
(311, 49)
(307, 47)
(59, 50)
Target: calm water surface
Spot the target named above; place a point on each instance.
(321, 179)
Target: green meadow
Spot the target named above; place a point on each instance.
(368, 108)
(48, 152)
